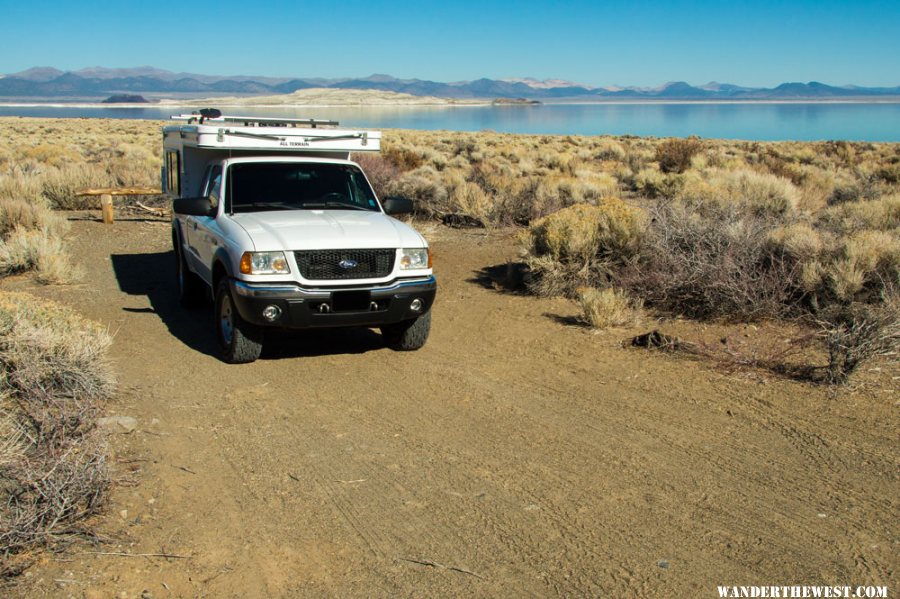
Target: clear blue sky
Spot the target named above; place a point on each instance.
(759, 43)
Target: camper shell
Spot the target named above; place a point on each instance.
(273, 221)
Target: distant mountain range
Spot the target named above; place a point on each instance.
(99, 82)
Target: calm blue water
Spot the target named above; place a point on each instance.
(813, 121)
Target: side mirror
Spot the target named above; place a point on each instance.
(397, 206)
(193, 207)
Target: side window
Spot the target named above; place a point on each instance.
(173, 172)
(214, 189)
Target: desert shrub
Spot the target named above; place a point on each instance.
(799, 241)
(863, 186)
(60, 185)
(469, 199)
(867, 263)
(714, 263)
(765, 195)
(674, 155)
(609, 149)
(609, 307)
(882, 214)
(380, 171)
(52, 154)
(36, 250)
(889, 173)
(590, 186)
(550, 195)
(402, 157)
(20, 186)
(577, 246)
(652, 183)
(816, 187)
(56, 377)
(800, 248)
(15, 214)
(855, 333)
(31, 240)
(424, 185)
(517, 203)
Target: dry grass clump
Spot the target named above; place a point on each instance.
(867, 262)
(21, 214)
(856, 333)
(52, 460)
(579, 246)
(470, 199)
(882, 214)
(38, 251)
(31, 240)
(609, 307)
(764, 194)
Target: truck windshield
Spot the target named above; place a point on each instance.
(259, 186)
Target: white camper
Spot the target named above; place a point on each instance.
(276, 225)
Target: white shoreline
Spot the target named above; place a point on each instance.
(473, 104)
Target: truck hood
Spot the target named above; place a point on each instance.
(326, 230)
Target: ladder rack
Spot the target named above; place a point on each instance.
(254, 121)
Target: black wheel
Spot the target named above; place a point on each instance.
(239, 341)
(409, 335)
(191, 288)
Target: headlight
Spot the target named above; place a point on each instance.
(415, 258)
(264, 263)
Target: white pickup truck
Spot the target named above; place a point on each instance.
(276, 225)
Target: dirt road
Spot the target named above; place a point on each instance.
(517, 455)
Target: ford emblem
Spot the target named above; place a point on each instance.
(348, 264)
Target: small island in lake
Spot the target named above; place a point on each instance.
(515, 102)
(126, 99)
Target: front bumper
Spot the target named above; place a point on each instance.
(305, 308)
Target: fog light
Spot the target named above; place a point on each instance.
(416, 305)
(271, 313)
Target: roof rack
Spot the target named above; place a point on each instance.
(254, 121)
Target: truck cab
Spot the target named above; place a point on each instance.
(275, 224)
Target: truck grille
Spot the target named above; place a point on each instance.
(345, 264)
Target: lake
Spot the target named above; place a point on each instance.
(751, 121)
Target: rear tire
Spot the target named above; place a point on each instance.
(192, 291)
(240, 342)
(408, 336)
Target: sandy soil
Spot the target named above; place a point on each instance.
(525, 456)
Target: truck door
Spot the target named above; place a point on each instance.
(201, 235)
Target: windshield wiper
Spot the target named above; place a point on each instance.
(320, 205)
(268, 205)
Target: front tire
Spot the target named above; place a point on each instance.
(240, 342)
(408, 336)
